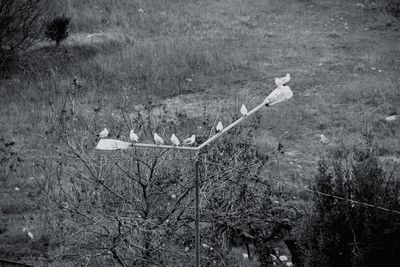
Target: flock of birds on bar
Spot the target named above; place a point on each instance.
(279, 94)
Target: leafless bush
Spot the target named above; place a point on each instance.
(21, 24)
(136, 207)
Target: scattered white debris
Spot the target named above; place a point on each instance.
(103, 133)
(158, 140)
(289, 263)
(186, 249)
(219, 127)
(16, 188)
(391, 118)
(323, 139)
(133, 136)
(243, 110)
(174, 140)
(283, 258)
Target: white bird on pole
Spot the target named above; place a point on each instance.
(189, 140)
(158, 139)
(283, 80)
(280, 94)
(219, 127)
(175, 140)
(133, 136)
(243, 110)
(104, 133)
(30, 235)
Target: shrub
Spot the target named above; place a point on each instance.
(57, 29)
(343, 233)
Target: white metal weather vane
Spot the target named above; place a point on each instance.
(280, 94)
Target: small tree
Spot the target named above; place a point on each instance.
(21, 25)
(57, 29)
(342, 233)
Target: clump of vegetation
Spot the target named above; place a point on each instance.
(345, 233)
(393, 7)
(57, 29)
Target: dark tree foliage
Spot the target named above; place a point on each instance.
(343, 233)
(57, 29)
(239, 204)
(21, 23)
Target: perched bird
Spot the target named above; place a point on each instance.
(283, 80)
(133, 136)
(278, 82)
(104, 133)
(175, 140)
(280, 94)
(243, 110)
(30, 235)
(189, 140)
(158, 139)
(219, 127)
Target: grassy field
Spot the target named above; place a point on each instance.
(204, 57)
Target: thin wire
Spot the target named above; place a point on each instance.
(288, 184)
(315, 191)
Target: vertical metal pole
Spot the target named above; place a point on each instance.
(197, 222)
